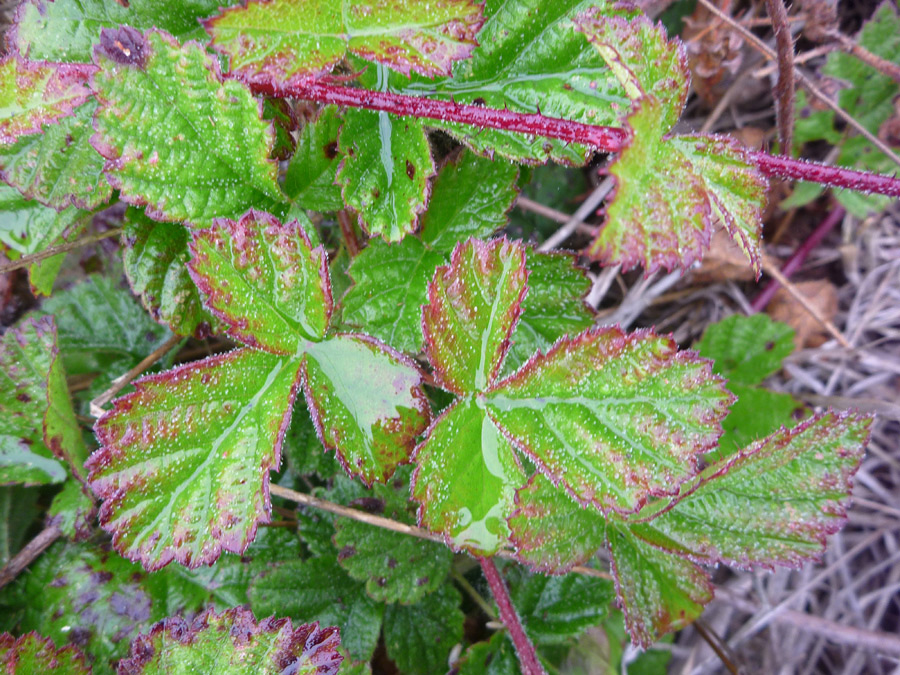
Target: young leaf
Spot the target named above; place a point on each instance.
(197, 149)
(746, 349)
(366, 403)
(68, 31)
(34, 94)
(318, 589)
(670, 189)
(310, 180)
(230, 643)
(615, 418)
(474, 304)
(156, 256)
(32, 653)
(466, 479)
(419, 637)
(285, 40)
(58, 167)
(264, 280)
(384, 171)
(184, 461)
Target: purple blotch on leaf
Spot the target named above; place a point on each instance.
(123, 45)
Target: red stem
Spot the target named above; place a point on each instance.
(604, 139)
(525, 650)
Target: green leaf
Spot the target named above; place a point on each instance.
(474, 304)
(746, 349)
(658, 592)
(33, 94)
(390, 287)
(230, 643)
(184, 461)
(285, 40)
(156, 256)
(395, 566)
(384, 171)
(18, 511)
(73, 511)
(264, 280)
(304, 452)
(197, 149)
(616, 418)
(58, 167)
(553, 307)
(497, 656)
(311, 176)
(555, 609)
(470, 198)
(284, 124)
(466, 479)
(36, 415)
(756, 414)
(319, 590)
(366, 402)
(772, 503)
(32, 653)
(68, 31)
(528, 60)
(419, 637)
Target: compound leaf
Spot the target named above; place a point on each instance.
(465, 479)
(286, 40)
(156, 256)
(34, 94)
(58, 167)
(177, 136)
(319, 590)
(419, 637)
(384, 171)
(311, 176)
(32, 653)
(474, 304)
(615, 418)
(184, 461)
(366, 402)
(264, 280)
(232, 642)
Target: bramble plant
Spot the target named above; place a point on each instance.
(534, 433)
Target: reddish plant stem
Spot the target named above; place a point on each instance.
(761, 301)
(784, 89)
(346, 224)
(524, 649)
(604, 139)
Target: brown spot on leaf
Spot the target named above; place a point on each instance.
(23, 397)
(421, 581)
(410, 170)
(391, 563)
(381, 581)
(331, 150)
(124, 45)
(346, 552)
(369, 504)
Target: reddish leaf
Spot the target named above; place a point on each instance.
(31, 654)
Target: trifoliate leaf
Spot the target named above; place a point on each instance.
(395, 566)
(466, 479)
(474, 304)
(670, 189)
(384, 171)
(184, 461)
(658, 592)
(233, 643)
(68, 31)
(32, 653)
(470, 198)
(73, 511)
(615, 418)
(772, 503)
(284, 40)
(746, 349)
(319, 590)
(310, 180)
(419, 637)
(366, 402)
(58, 167)
(264, 280)
(156, 256)
(34, 94)
(38, 429)
(176, 135)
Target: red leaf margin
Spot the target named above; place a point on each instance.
(11, 648)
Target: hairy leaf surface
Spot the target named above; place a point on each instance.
(285, 40)
(32, 653)
(229, 643)
(615, 418)
(175, 135)
(310, 180)
(184, 461)
(419, 637)
(746, 349)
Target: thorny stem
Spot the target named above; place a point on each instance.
(603, 139)
(784, 88)
(524, 648)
